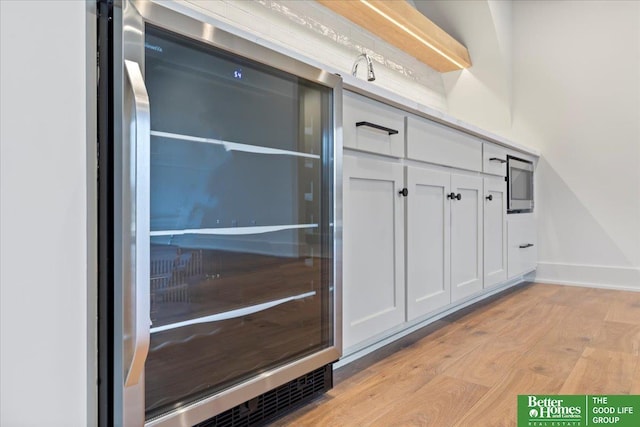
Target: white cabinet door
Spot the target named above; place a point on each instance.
(466, 236)
(373, 243)
(428, 222)
(495, 231)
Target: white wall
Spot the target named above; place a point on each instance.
(45, 344)
(577, 99)
(481, 94)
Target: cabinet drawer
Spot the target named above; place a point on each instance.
(494, 159)
(432, 142)
(372, 126)
(522, 249)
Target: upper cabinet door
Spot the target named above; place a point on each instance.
(495, 231)
(373, 241)
(466, 236)
(371, 126)
(428, 222)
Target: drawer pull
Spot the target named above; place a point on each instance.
(375, 126)
(497, 159)
(489, 197)
(527, 245)
(404, 192)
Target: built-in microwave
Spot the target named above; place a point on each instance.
(519, 185)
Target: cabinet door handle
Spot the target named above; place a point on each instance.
(451, 196)
(526, 245)
(489, 197)
(404, 192)
(497, 159)
(459, 196)
(375, 126)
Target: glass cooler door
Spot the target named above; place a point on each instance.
(241, 216)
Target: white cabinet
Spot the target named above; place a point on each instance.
(373, 242)
(459, 238)
(444, 239)
(522, 244)
(466, 236)
(428, 241)
(372, 126)
(495, 231)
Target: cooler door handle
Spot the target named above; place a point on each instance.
(136, 189)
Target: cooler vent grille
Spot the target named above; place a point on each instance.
(275, 403)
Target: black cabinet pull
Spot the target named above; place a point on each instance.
(375, 126)
(528, 245)
(497, 159)
(459, 196)
(451, 196)
(489, 197)
(404, 192)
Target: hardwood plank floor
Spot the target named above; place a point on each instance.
(601, 371)
(467, 369)
(498, 407)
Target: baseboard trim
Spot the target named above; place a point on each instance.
(591, 276)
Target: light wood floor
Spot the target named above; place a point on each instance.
(467, 369)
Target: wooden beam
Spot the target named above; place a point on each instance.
(398, 23)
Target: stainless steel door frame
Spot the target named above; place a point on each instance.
(131, 217)
(132, 213)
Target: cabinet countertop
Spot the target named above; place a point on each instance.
(370, 90)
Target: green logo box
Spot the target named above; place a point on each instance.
(537, 410)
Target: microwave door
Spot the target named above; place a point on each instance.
(520, 185)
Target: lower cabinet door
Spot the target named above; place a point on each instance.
(522, 244)
(428, 222)
(373, 248)
(466, 236)
(495, 231)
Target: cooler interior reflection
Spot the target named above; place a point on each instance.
(240, 220)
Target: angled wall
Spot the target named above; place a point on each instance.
(577, 99)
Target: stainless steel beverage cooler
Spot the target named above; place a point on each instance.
(219, 222)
